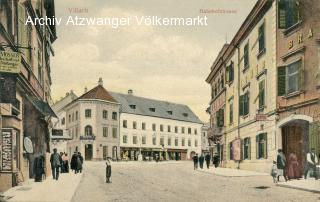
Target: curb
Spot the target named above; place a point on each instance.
(299, 188)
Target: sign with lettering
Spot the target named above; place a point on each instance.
(10, 61)
(87, 137)
(236, 149)
(6, 156)
(57, 132)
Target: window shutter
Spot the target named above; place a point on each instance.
(282, 14)
(257, 146)
(241, 105)
(301, 75)
(281, 80)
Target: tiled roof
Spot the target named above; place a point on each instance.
(163, 109)
(98, 93)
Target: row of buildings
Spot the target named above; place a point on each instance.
(266, 86)
(104, 124)
(25, 96)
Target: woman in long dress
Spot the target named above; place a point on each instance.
(293, 166)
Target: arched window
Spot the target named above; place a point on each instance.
(88, 131)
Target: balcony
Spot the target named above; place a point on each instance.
(87, 137)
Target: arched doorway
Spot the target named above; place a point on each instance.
(192, 154)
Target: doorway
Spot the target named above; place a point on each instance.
(88, 152)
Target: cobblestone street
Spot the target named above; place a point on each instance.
(177, 181)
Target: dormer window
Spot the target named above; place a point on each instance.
(169, 112)
(132, 106)
(185, 114)
(152, 109)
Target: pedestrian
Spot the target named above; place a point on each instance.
(55, 160)
(201, 161)
(207, 158)
(74, 162)
(216, 160)
(108, 170)
(62, 163)
(195, 161)
(274, 172)
(38, 167)
(293, 166)
(65, 160)
(311, 164)
(281, 165)
(79, 162)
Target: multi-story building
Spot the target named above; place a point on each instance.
(24, 88)
(269, 105)
(205, 146)
(216, 109)
(153, 128)
(298, 65)
(93, 124)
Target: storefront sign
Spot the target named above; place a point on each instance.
(87, 137)
(236, 148)
(28, 145)
(9, 62)
(6, 156)
(57, 132)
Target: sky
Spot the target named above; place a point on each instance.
(167, 63)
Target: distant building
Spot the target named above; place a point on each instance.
(205, 147)
(155, 128)
(93, 124)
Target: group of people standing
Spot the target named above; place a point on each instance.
(207, 158)
(289, 167)
(60, 163)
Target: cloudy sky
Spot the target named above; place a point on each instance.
(161, 62)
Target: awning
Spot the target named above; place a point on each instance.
(42, 107)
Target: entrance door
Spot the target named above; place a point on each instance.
(88, 152)
(105, 152)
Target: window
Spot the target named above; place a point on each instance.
(183, 142)
(196, 143)
(87, 113)
(125, 139)
(176, 129)
(114, 115)
(105, 152)
(143, 126)
(88, 131)
(244, 104)
(185, 114)
(189, 143)
(72, 117)
(230, 73)
(69, 118)
(162, 141)
(176, 142)
(220, 118)
(152, 109)
(169, 129)
(230, 151)
(132, 106)
(246, 148)
(169, 141)
(195, 131)
(154, 140)
(261, 38)
(261, 94)
(246, 56)
(134, 139)
(261, 146)
(290, 78)
(161, 128)
(134, 125)
(105, 131)
(231, 111)
(105, 114)
(169, 112)
(63, 121)
(182, 130)
(144, 139)
(189, 130)
(222, 82)
(154, 127)
(114, 132)
(289, 13)
(124, 123)
(77, 115)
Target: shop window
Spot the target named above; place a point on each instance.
(105, 114)
(124, 123)
(261, 94)
(261, 146)
(290, 78)
(244, 104)
(88, 131)
(114, 132)
(105, 131)
(289, 13)
(125, 139)
(246, 148)
(87, 113)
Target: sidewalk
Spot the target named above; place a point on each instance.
(311, 185)
(228, 172)
(48, 190)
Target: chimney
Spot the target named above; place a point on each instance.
(85, 89)
(100, 82)
(130, 92)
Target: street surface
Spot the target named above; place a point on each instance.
(177, 181)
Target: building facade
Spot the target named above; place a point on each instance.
(205, 146)
(93, 124)
(151, 129)
(25, 92)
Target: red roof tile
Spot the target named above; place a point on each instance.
(98, 93)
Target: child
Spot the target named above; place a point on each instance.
(108, 170)
(274, 172)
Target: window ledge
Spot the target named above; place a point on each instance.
(294, 94)
(291, 29)
(245, 116)
(261, 53)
